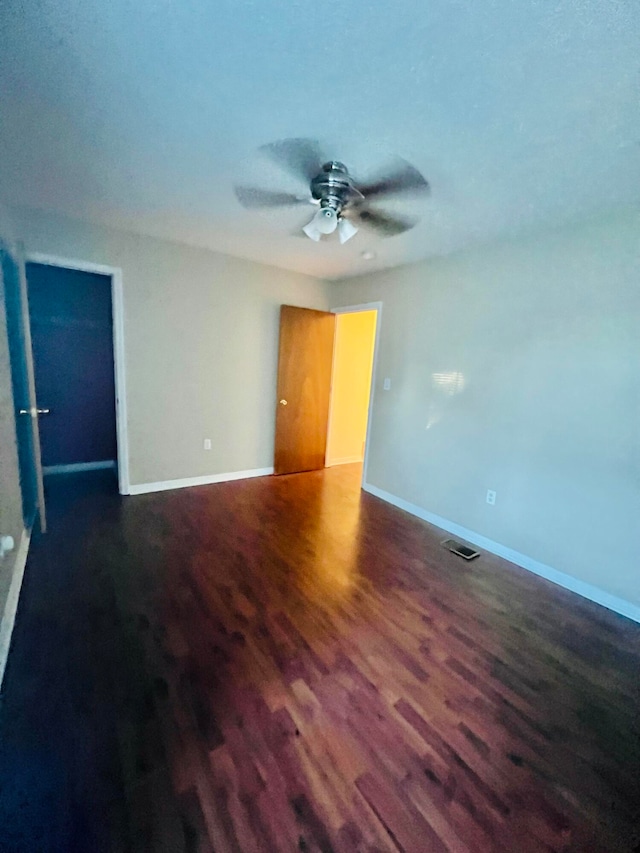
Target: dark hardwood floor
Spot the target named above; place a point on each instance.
(286, 664)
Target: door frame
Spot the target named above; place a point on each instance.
(356, 309)
(117, 313)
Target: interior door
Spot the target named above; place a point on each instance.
(305, 361)
(24, 388)
(72, 342)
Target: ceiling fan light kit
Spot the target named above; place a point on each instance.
(345, 204)
(325, 222)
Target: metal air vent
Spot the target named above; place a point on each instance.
(462, 550)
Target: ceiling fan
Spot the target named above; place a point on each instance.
(344, 204)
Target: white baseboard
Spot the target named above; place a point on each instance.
(586, 590)
(343, 460)
(11, 604)
(208, 479)
(77, 467)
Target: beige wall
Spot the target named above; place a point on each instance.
(201, 337)
(513, 367)
(10, 497)
(517, 368)
(350, 384)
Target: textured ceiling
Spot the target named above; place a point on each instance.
(143, 113)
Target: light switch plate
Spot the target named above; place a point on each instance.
(387, 384)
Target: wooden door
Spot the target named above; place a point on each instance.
(304, 384)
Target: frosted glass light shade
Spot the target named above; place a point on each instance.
(346, 230)
(325, 221)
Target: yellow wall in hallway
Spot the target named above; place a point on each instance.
(350, 386)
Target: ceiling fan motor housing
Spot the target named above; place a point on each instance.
(333, 187)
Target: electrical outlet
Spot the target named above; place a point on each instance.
(386, 385)
(207, 444)
(491, 497)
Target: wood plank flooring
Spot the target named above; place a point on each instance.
(287, 664)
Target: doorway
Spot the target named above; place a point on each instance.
(354, 345)
(72, 340)
(325, 388)
(76, 322)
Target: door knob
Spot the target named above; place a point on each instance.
(283, 402)
(34, 412)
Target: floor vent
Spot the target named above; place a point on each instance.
(461, 549)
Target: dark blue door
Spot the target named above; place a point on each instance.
(72, 337)
(20, 383)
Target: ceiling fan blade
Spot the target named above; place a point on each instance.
(402, 177)
(255, 197)
(300, 157)
(384, 223)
